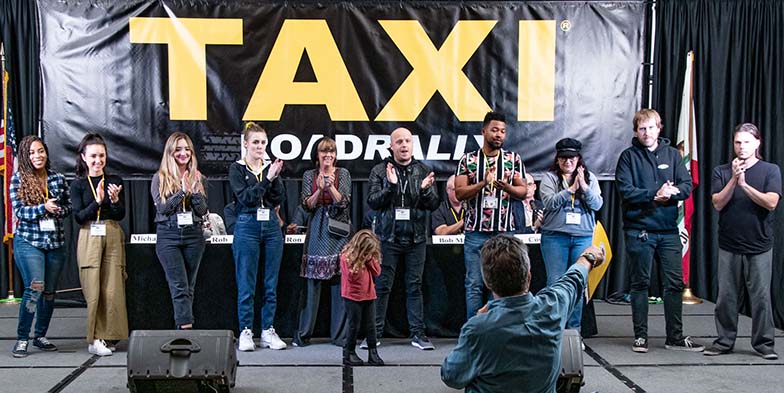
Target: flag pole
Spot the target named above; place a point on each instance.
(688, 296)
(9, 255)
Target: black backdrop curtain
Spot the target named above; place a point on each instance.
(19, 34)
(739, 78)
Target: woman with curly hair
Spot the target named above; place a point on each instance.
(40, 201)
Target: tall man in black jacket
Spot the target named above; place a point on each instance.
(651, 179)
(401, 191)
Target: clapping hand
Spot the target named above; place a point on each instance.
(391, 174)
(739, 171)
(114, 192)
(99, 193)
(275, 169)
(428, 180)
(667, 190)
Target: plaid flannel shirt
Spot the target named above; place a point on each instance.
(29, 216)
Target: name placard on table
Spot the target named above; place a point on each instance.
(151, 238)
(534, 238)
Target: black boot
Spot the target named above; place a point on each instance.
(373, 358)
(350, 358)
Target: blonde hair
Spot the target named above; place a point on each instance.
(361, 249)
(169, 174)
(251, 127)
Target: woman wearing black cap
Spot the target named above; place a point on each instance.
(571, 197)
(326, 193)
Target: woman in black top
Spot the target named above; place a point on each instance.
(180, 203)
(98, 207)
(257, 192)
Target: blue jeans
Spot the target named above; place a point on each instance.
(473, 281)
(40, 268)
(179, 251)
(559, 251)
(249, 235)
(413, 256)
(641, 249)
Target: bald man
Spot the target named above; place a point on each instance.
(401, 191)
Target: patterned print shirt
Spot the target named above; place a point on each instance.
(475, 165)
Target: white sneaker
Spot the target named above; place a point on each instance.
(270, 339)
(246, 340)
(99, 348)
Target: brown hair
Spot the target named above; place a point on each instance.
(324, 143)
(645, 114)
(754, 131)
(505, 265)
(31, 192)
(361, 249)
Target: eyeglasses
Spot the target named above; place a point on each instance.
(564, 159)
(326, 150)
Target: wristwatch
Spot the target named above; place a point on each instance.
(590, 258)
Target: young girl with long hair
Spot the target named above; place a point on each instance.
(40, 201)
(180, 202)
(100, 253)
(360, 261)
(257, 192)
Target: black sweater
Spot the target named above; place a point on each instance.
(248, 191)
(639, 175)
(85, 208)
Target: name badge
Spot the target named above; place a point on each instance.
(262, 214)
(98, 229)
(402, 214)
(573, 218)
(47, 225)
(490, 203)
(184, 219)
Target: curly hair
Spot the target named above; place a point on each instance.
(31, 191)
(361, 249)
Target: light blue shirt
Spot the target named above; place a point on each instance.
(516, 345)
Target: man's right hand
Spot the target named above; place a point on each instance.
(598, 252)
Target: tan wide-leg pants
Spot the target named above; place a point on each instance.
(101, 262)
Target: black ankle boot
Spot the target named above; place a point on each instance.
(373, 358)
(350, 358)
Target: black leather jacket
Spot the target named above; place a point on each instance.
(385, 197)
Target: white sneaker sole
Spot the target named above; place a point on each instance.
(422, 347)
(96, 352)
(276, 347)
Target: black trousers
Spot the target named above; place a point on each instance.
(360, 318)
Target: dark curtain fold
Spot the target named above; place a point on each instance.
(19, 34)
(19, 31)
(739, 78)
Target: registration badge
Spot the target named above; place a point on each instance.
(98, 229)
(573, 218)
(47, 225)
(262, 214)
(402, 214)
(184, 219)
(490, 203)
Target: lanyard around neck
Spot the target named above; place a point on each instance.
(566, 186)
(95, 194)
